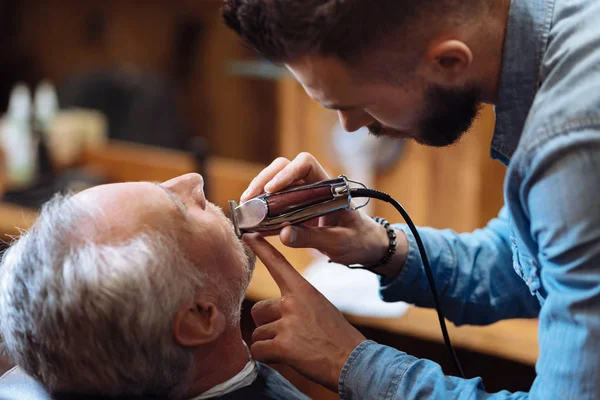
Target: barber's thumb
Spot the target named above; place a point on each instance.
(303, 236)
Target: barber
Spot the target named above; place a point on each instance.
(420, 69)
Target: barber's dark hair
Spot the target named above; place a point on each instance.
(285, 30)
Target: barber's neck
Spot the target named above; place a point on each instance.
(219, 361)
(490, 51)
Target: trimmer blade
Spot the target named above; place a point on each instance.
(232, 206)
(248, 216)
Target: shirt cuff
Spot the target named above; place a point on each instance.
(373, 371)
(392, 288)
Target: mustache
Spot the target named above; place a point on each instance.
(375, 128)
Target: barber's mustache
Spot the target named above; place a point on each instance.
(375, 128)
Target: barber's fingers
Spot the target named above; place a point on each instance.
(266, 311)
(285, 276)
(257, 185)
(267, 351)
(330, 240)
(277, 232)
(274, 232)
(265, 332)
(304, 167)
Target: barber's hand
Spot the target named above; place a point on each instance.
(302, 328)
(347, 237)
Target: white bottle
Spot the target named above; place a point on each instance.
(17, 139)
(46, 105)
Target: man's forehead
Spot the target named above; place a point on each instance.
(122, 195)
(126, 208)
(326, 80)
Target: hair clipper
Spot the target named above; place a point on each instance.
(274, 211)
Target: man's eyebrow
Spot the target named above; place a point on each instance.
(176, 200)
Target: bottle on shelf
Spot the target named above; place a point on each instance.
(45, 110)
(17, 140)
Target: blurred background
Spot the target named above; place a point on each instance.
(117, 90)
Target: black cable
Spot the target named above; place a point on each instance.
(375, 194)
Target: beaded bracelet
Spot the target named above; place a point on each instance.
(392, 247)
(390, 251)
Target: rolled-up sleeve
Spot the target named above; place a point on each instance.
(379, 372)
(473, 275)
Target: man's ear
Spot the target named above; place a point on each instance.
(449, 60)
(198, 323)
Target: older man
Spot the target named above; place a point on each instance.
(131, 289)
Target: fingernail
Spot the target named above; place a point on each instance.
(293, 235)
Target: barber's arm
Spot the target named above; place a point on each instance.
(473, 274)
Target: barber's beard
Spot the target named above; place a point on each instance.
(447, 115)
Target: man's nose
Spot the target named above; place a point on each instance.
(354, 120)
(189, 188)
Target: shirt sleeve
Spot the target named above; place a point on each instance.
(379, 372)
(561, 202)
(473, 275)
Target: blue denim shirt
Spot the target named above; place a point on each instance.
(541, 256)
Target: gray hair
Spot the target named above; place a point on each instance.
(97, 318)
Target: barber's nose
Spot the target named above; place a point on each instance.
(189, 188)
(354, 120)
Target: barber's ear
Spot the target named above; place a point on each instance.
(450, 60)
(198, 323)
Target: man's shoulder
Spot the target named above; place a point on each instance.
(568, 99)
